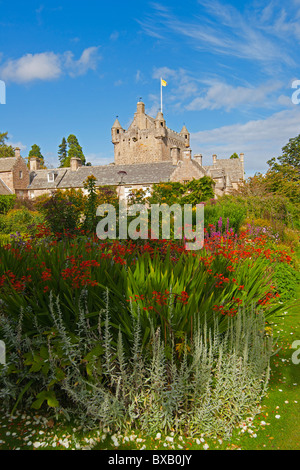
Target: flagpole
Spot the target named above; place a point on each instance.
(161, 99)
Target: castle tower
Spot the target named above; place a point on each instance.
(148, 140)
(160, 126)
(116, 130)
(185, 133)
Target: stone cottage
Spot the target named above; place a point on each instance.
(14, 175)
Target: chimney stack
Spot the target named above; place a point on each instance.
(175, 155)
(34, 164)
(75, 163)
(214, 159)
(242, 162)
(187, 154)
(17, 152)
(198, 159)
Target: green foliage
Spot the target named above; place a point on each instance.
(234, 155)
(286, 279)
(7, 202)
(75, 150)
(216, 383)
(63, 152)
(197, 191)
(290, 156)
(62, 211)
(35, 151)
(192, 192)
(6, 151)
(19, 220)
(224, 208)
(91, 204)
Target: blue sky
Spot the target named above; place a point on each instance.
(71, 67)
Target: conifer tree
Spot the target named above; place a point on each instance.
(63, 152)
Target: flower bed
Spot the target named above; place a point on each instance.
(119, 332)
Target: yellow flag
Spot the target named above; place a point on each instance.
(163, 82)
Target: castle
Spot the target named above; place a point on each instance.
(148, 152)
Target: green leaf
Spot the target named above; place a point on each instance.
(45, 395)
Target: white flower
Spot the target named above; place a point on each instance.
(263, 423)
(36, 444)
(277, 416)
(158, 435)
(206, 446)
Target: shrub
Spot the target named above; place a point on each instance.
(19, 220)
(62, 212)
(214, 383)
(286, 279)
(6, 203)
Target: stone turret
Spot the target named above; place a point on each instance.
(116, 131)
(160, 126)
(140, 116)
(185, 133)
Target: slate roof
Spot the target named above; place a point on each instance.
(4, 190)
(7, 164)
(39, 178)
(232, 168)
(144, 173)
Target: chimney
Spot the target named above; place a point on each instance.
(242, 162)
(17, 152)
(75, 163)
(198, 158)
(187, 154)
(175, 155)
(34, 164)
(214, 159)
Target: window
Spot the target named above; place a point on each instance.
(20, 174)
(50, 177)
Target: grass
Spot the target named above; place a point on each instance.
(276, 427)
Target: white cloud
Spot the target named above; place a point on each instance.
(48, 66)
(43, 66)
(259, 140)
(221, 95)
(88, 61)
(257, 33)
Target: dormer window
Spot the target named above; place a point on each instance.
(51, 177)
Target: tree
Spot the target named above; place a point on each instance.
(234, 155)
(283, 176)
(6, 151)
(63, 152)
(291, 154)
(36, 152)
(75, 150)
(199, 190)
(91, 204)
